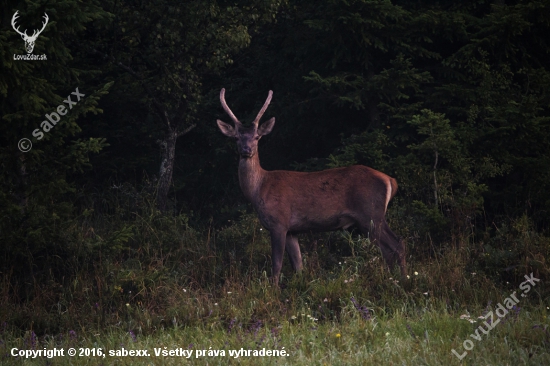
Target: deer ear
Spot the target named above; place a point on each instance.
(226, 128)
(266, 127)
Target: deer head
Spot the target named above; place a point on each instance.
(247, 137)
(289, 202)
(29, 40)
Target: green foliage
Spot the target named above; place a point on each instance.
(510, 252)
(367, 148)
(36, 206)
(173, 284)
(450, 98)
(453, 132)
(246, 239)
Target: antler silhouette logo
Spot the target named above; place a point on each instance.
(29, 40)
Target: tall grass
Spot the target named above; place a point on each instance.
(136, 278)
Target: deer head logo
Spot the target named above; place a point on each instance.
(29, 40)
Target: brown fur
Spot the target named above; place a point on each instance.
(290, 202)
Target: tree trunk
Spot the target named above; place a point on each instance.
(168, 152)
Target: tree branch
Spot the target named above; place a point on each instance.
(187, 130)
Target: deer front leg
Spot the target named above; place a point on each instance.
(278, 241)
(293, 251)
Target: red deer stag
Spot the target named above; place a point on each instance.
(290, 202)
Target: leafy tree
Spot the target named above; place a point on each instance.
(166, 49)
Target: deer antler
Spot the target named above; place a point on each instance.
(262, 111)
(13, 19)
(226, 108)
(37, 33)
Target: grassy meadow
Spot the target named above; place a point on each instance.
(152, 282)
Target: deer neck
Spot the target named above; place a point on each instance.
(251, 176)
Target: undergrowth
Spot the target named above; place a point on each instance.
(151, 280)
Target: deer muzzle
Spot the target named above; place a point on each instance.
(246, 152)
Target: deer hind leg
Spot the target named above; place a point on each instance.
(393, 249)
(293, 251)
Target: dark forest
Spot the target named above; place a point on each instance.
(123, 224)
